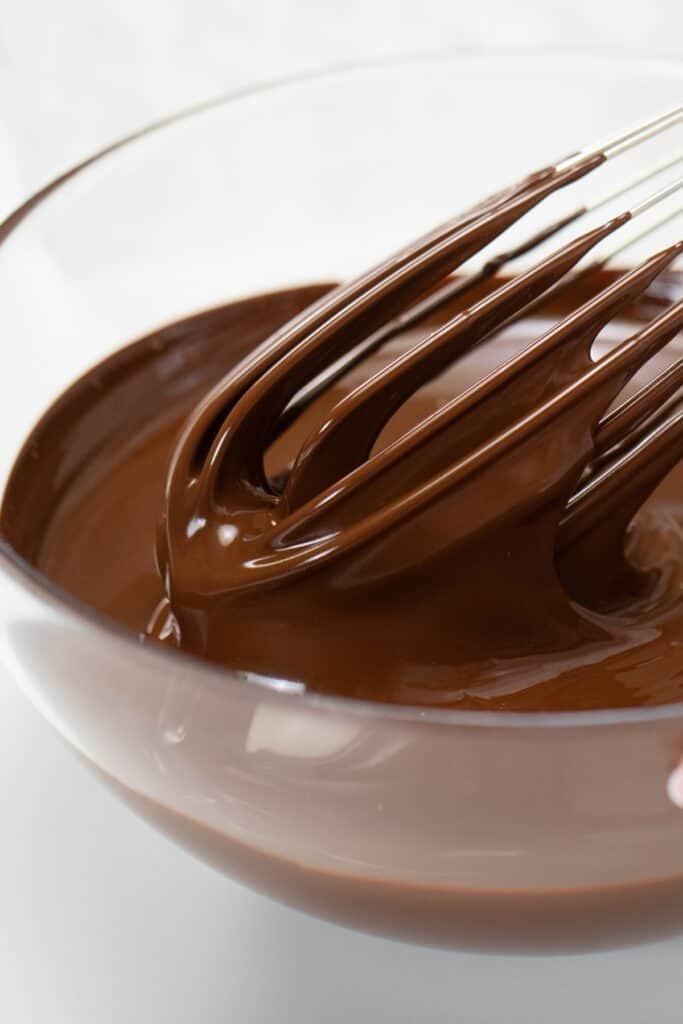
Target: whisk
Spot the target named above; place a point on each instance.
(539, 433)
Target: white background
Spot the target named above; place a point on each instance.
(101, 920)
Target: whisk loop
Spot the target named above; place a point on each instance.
(340, 495)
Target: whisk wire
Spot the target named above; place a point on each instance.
(224, 444)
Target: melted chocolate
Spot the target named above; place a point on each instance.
(471, 604)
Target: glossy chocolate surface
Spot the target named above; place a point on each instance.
(472, 604)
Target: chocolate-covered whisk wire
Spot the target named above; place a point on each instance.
(340, 445)
(615, 427)
(454, 289)
(218, 464)
(666, 221)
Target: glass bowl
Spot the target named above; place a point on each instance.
(484, 831)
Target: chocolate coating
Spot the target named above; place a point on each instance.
(492, 622)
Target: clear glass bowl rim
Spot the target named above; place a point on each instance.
(66, 604)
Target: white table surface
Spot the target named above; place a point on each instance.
(102, 921)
